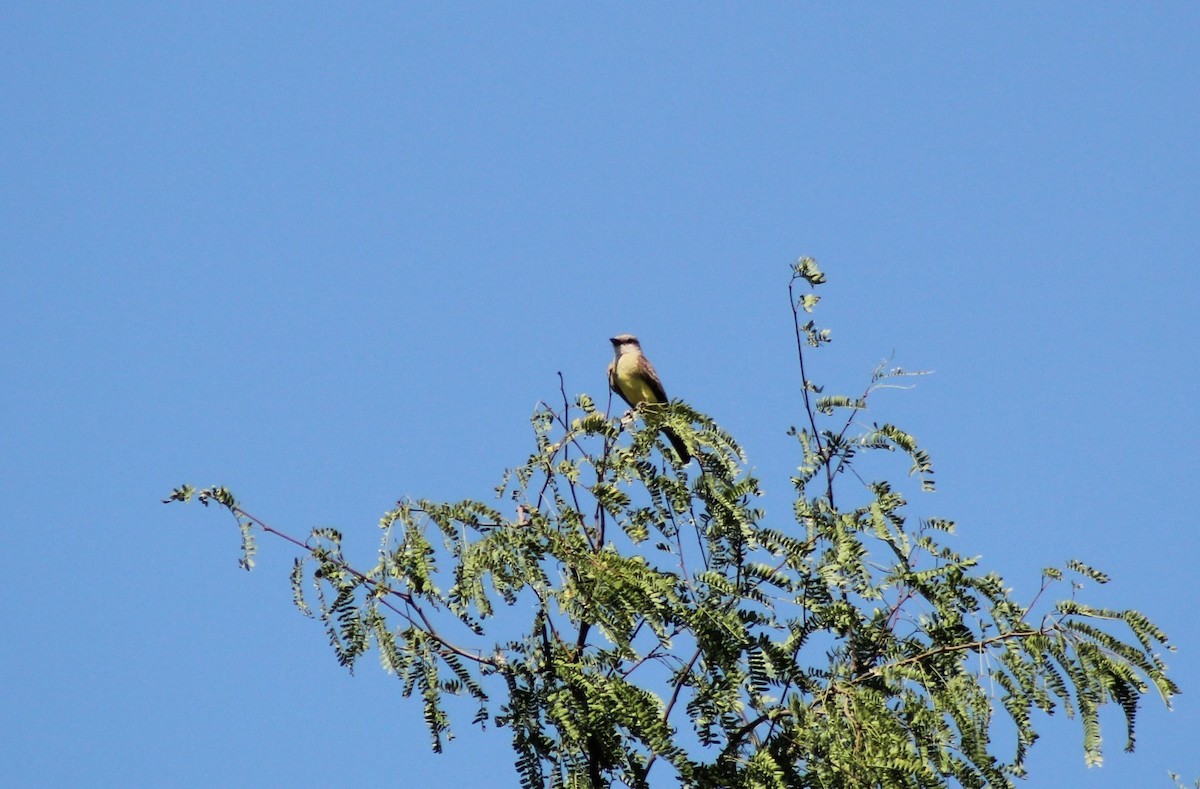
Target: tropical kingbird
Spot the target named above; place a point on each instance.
(633, 377)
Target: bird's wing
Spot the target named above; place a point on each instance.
(647, 371)
(612, 381)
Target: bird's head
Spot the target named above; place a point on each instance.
(623, 343)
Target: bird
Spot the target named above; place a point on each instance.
(631, 376)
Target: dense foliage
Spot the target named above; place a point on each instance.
(632, 621)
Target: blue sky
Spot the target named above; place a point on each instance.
(334, 255)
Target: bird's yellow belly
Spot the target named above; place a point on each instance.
(632, 383)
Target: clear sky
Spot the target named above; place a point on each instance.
(333, 254)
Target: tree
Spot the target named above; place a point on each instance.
(675, 630)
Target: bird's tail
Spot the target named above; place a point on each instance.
(677, 442)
